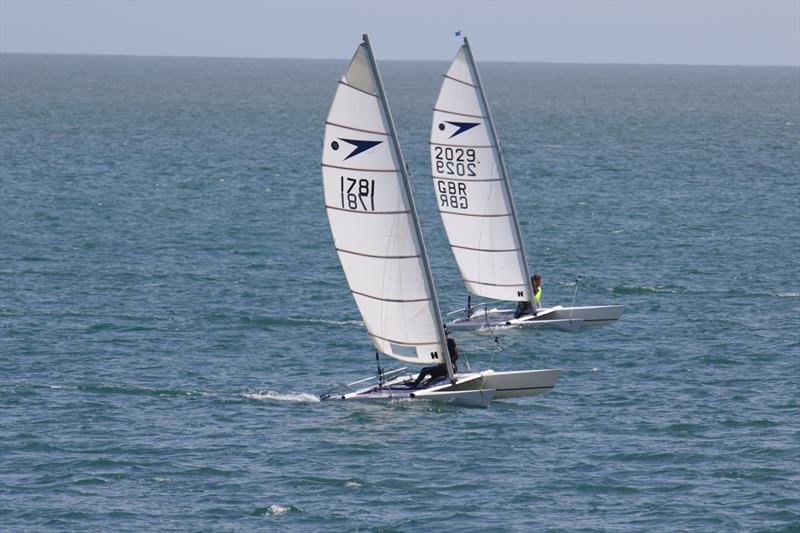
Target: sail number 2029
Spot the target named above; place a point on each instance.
(454, 161)
(358, 193)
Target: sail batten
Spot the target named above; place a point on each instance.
(382, 255)
(460, 81)
(492, 284)
(357, 89)
(355, 129)
(464, 145)
(360, 169)
(390, 299)
(457, 113)
(442, 211)
(377, 256)
(366, 212)
(472, 190)
(486, 250)
(405, 343)
(463, 179)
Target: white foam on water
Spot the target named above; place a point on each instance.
(595, 369)
(62, 387)
(277, 510)
(282, 397)
(352, 485)
(788, 294)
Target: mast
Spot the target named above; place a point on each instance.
(413, 209)
(504, 172)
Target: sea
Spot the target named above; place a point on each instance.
(172, 307)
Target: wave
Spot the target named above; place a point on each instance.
(293, 321)
(59, 387)
(680, 289)
(670, 289)
(282, 397)
(276, 510)
(140, 390)
(327, 322)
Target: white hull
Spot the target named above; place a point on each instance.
(564, 318)
(474, 389)
(520, 382)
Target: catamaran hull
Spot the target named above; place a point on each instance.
(467, 391)
(520, 383)
(563, 318)
(476, 389)
(473, 398)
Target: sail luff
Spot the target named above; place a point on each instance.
(412, 208)
(371, 224)
(503, 172)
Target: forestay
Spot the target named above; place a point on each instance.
(472, 189)
(372, 218)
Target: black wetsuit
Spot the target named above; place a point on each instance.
(523, 308)
(435, 372)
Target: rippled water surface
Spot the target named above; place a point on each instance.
(171, 304)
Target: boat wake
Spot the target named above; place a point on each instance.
(139, 390)
(281, 397)
(114, 388)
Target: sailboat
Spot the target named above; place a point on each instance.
(378, 240)
(473, 195)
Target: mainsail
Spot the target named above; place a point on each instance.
(373, 219)
(472, 189)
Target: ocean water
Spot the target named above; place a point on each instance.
(171, 304)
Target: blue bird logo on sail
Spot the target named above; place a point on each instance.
(462, 126)
(360, 146)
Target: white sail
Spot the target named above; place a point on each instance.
(373, 222)
(472, 190)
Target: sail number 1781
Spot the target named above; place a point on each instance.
(357, 193)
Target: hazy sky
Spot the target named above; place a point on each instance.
(765, 32)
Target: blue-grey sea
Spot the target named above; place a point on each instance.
(171, 304)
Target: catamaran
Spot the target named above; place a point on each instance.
(473, 195)
(378, 240)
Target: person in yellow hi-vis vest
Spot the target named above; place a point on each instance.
(524, 308)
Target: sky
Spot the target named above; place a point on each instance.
(743, 32)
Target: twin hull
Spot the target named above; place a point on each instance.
(477, 388)
(565, 318)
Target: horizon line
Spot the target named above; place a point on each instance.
(177, 56)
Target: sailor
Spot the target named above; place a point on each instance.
(437, 371)
(524, 308)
